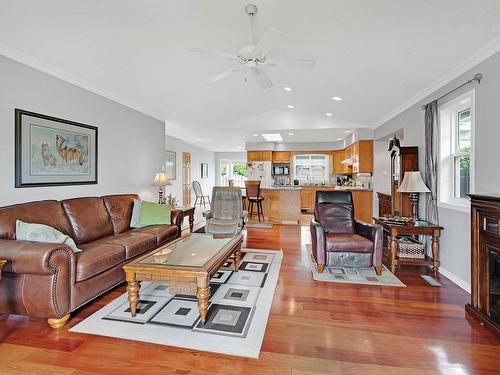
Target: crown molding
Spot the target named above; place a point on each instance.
(482, 54)
(23, 58)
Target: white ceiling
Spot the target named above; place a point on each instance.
(376, 55)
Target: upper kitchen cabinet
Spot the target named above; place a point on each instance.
(362, 157)
(281, 157)
(338, 167)
(259, 156)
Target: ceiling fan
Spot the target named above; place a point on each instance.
(253, 58)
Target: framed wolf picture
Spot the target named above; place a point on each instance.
(52, 151)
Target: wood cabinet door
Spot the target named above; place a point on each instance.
(365, 157)
(338, 156)
(266, 156)
(363, 205)
(306, 199)
(355, 157)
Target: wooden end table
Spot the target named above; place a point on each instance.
(2, 262)
(420, 228)
(189, 212)
(191, 260)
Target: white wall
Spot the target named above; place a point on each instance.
(455, 240)
(130, 147)
(198, 156)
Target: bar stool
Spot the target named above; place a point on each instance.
(253, 197)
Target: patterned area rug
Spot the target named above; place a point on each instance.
(366, 276)
(237, 316)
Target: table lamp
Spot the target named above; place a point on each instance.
(413, 184)
(161, 181)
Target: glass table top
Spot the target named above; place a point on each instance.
(192, 251)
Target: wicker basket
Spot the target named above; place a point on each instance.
(409, 248)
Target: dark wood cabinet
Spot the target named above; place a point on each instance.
(384, 204)
(403, 159)
(485, 260)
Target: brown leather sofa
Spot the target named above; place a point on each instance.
(50, 280)
(338, 239)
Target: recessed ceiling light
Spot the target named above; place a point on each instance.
(347, 131)
(289, 89)
(339, 139)
(290, 106)
(336, 98)
(328, 114)
(255, 135)
(272, 137)
(291, 133)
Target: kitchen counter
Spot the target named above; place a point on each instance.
(318, 187)
(281, 204)
(282, 187)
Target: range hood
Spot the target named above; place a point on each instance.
(347, 161)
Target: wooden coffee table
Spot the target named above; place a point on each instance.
(2, 262)
(188, 261)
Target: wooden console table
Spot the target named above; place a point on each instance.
(2, 262)
(189, 212)
(420, 228)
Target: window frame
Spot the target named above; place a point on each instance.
(230, 165)
(449, 152)
(310, 158)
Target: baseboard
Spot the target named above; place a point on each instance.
(455, 279)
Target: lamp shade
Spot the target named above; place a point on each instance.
(413, 183)
(161, 179)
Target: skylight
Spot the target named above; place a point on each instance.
(272, 137)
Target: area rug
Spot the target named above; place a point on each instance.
(366, 276)
(237, 316)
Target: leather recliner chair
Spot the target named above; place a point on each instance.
(226, 217)
(338, 239)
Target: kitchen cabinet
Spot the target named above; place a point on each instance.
(362, 157)
(363, 205)
(281, 156)
(307, 198)
(338, 167)
(259, 156)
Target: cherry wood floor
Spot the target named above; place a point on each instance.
(314, 328)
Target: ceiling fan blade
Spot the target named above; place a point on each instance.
(262, 78)
(265, 43)
(292, 63)
(224, 74)
(211, 52)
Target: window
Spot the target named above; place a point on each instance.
(456, 122)
(232, 170)
(311, 169)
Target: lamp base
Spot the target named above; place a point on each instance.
(414, 205)
(161, 200)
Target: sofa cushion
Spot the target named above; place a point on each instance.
(89, 218)
(120, 210)
(348, 242)
(163, 233)
(47, 212)
(133, 242)
(96, 258)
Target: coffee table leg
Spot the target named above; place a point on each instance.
(133, 288)
(191, 222)
(203, 294)
(237, 259)
(394, 250)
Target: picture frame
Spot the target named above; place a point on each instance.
(170, 164)
(51, 151)
(204, 170)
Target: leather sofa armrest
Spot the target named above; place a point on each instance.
(177, 217)
(318, 242)
(24, 257)
(374, 233)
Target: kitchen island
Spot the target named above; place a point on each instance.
(285, 204)
(282, 204)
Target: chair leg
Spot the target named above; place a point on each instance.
(204, 204)
(378, 270)
(258, 210)
(209, 203)
(321, 268)
(251, 209)
(261, 211)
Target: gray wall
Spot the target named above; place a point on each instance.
(455, 241)
(130, 148)
(198, 156)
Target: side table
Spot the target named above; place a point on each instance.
(189, 212)
(420, 228)
(2, 262)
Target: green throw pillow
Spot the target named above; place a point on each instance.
(155, 213)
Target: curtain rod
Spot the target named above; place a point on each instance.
(477, 78)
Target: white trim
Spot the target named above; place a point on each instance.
(32, 62)
(455, 279)
(484, 53)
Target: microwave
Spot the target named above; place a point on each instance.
(281, 169)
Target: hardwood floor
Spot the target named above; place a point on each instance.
(314, 328)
